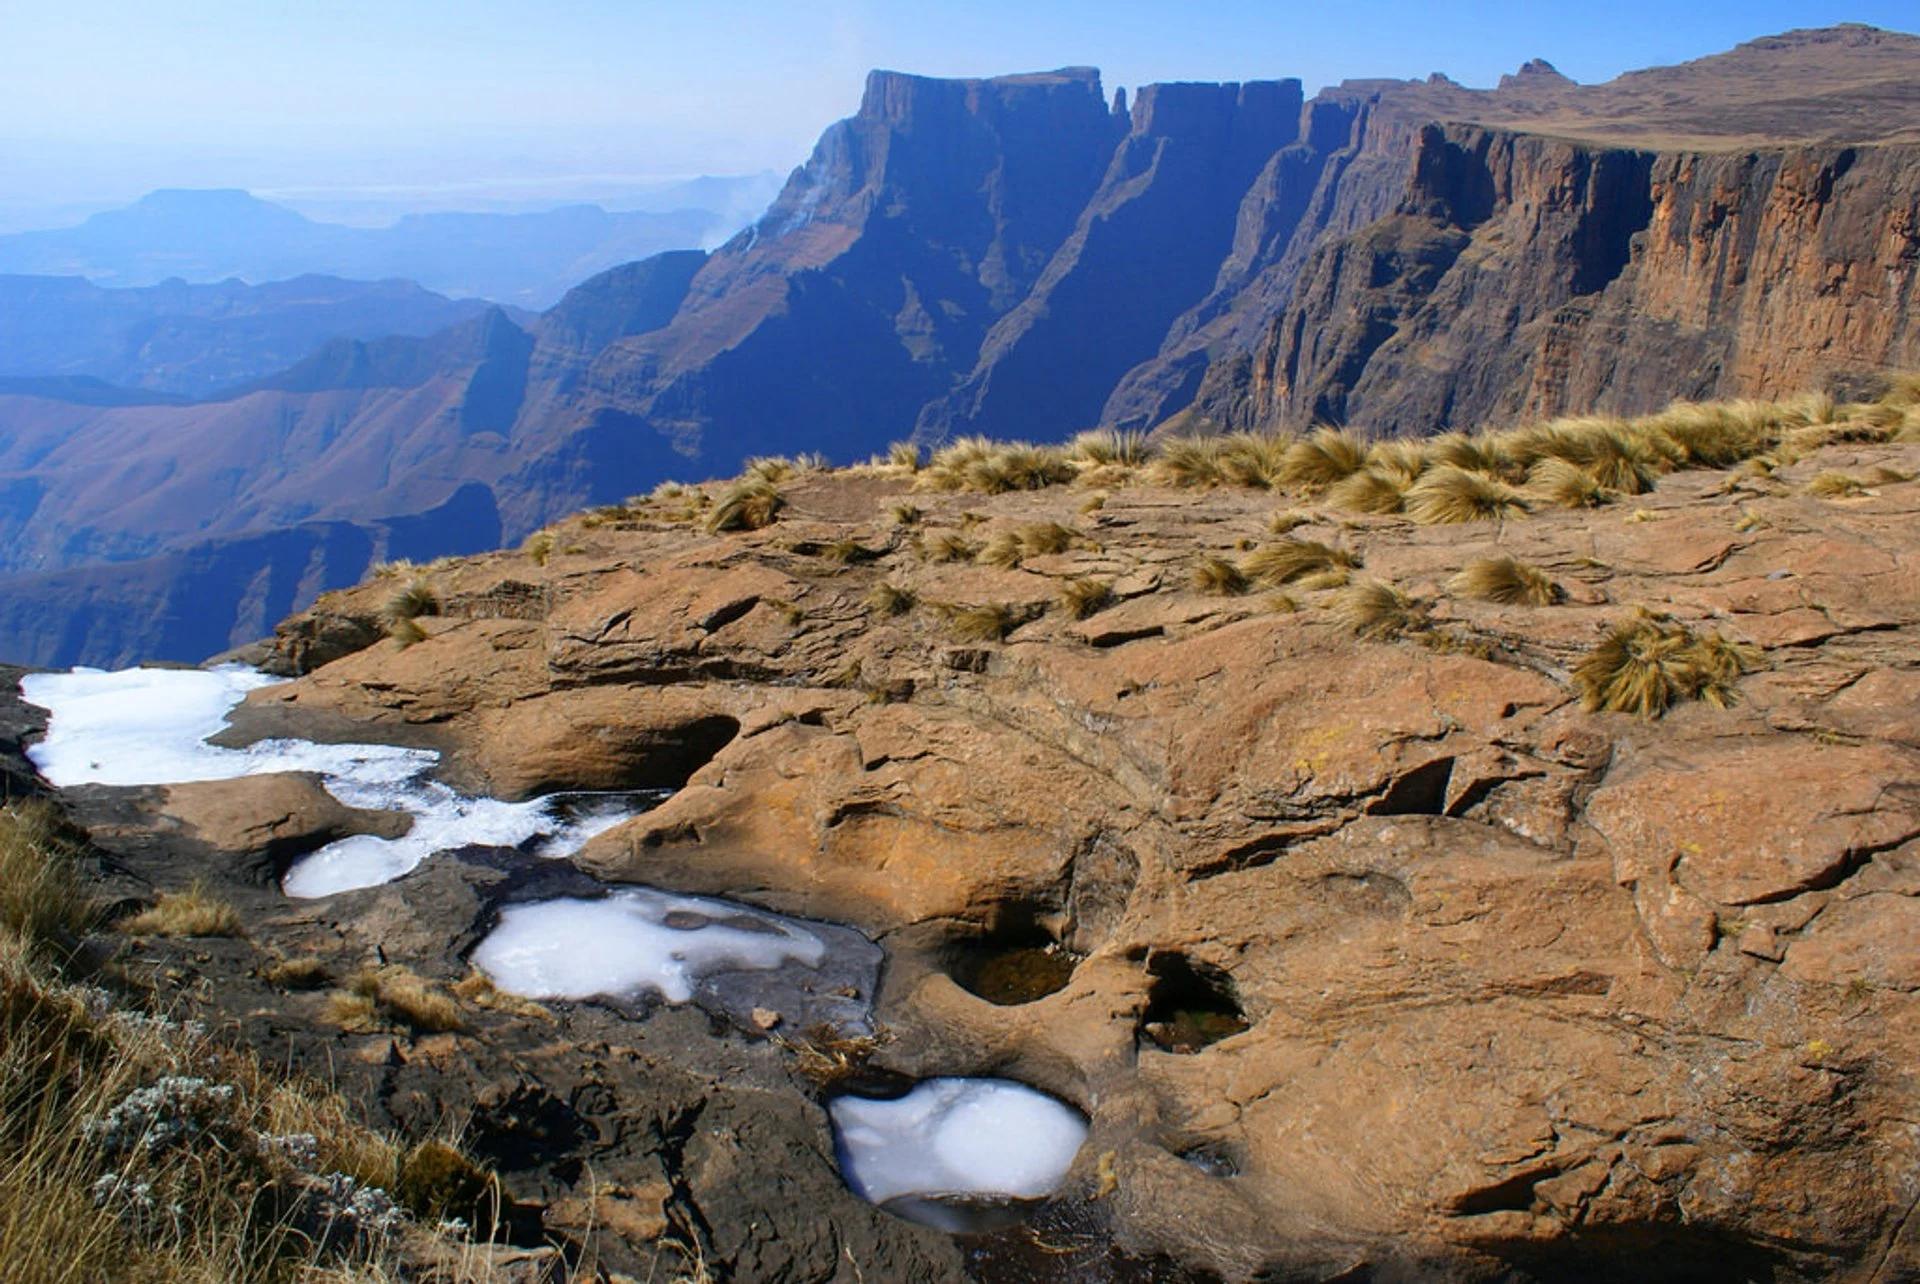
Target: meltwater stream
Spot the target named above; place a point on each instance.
(948, 1152)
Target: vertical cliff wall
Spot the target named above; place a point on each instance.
(1522, 276)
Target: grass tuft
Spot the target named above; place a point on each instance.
(1371, 490)
(1448, 494)
(750, 504)
(904, 455)
(1645, 666)
(418, 598)
(1080, 598)
(949, 546)
(397, 996)
(890, 599)
(1565, 484)
(1290, 560)
(1835, 485)
(1108, 447)
(194, 912)
(1376, 609)
(1506, 581)
(1187, 463)
(1317, 462)
(989, 622)
(1219, 576)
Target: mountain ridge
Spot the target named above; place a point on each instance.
(1018, 256)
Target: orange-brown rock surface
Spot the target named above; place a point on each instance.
(1385, 952)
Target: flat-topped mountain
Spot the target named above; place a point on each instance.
(1022, 257)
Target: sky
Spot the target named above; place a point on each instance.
(492, 103)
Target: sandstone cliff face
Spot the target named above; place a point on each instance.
(1524, 277)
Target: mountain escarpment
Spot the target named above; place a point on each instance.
(1019, 257)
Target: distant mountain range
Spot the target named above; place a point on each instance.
(197, 340)
(1021, 257)
(527, 260)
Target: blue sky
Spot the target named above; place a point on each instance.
(401, 99)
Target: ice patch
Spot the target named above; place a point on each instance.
(149, 727)
(632, 942)
(978, 1137)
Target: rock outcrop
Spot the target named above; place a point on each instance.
(1368, 957)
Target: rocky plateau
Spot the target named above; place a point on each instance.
(1366, 958)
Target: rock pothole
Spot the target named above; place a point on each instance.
(1190, 1004)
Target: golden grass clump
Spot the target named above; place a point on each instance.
(1291, 560)
(1376, 609)
(1402, 461)
(418, 598)
(994, 468)
(1371, 490)
(1714, 434)
(194, 912)
(1835, 485)
(1448, 494)
(949, 546)
(907, 514)
(989, 622)
(1219, 576)
(538, 547)
(1506, 581)
(399, 996)
(1003, 550)
(847, 551)
(1647, 665)
(1187, 463)
(1477, 454)
(42, 904)
(890, 599)
(1565, 484)
(304, 973)
(1038, 539)
(750, 504)
(1317, 462)
(904, 455)
(1253, 460)
(1085, 596)
(1108, 447)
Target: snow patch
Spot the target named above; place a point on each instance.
(979, 1137)
(149, 727)
(632, 942)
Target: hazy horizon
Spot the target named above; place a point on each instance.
(362, 112)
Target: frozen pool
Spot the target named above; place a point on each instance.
(150, 727)
(981, 1138)
(635, 941)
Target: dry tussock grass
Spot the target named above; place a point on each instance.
(135, 1147)
(1084, 597)
(1647, 665)
(1219, 576)
(1376, 609)
(194, 912)
(1290, 560)
(750, 504)
(1506, 581)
